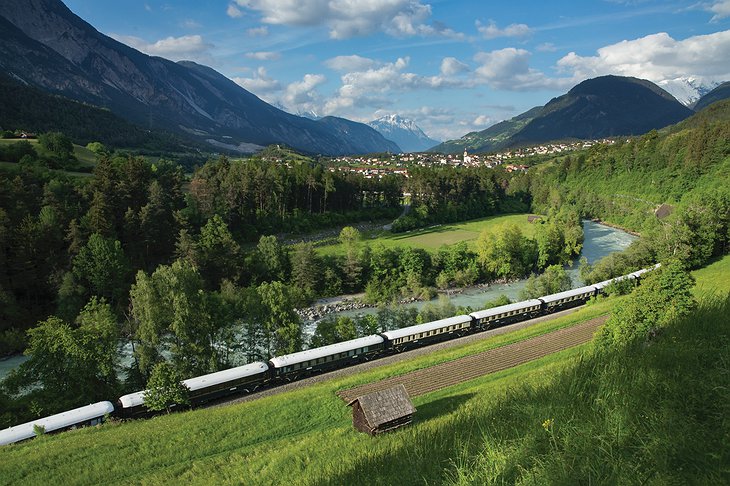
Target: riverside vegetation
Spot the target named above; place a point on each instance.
(72, 247)
(648, 408)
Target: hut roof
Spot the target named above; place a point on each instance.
(663, 211)
(385, 406)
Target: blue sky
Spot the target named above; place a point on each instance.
(452, 66)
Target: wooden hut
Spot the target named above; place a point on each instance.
(381, 411)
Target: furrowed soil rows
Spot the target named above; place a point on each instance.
(453, 372)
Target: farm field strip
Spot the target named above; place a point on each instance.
(431, 379)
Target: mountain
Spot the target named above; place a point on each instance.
(45, 45)
(367, 135)
(606, 106)
(404, 132)
(491, 139)
(601, 107)
(687, 90)
(721, 92)
(28, 108)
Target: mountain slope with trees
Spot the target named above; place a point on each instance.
(607, 106)
(45, 44)
(720, 93)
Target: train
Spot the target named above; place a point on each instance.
(282, 369)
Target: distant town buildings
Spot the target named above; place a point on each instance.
(379, 166)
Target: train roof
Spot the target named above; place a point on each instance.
(495, 311)
(199, 382)
(231, 374)
(316, 353)
(428, 326)
(606, 283)
(567, 293)
(56, 422)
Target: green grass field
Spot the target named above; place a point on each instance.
(434, 237)
(85, 156)
(649, 414)
(714, 278)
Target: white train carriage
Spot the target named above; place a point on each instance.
(504, 314)
(78, 417)
(244, 378)
(292, 366)
(421, 334)
(567, 299)
(601, 286)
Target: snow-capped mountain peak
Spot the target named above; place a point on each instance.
(404, 132)
(688, 90)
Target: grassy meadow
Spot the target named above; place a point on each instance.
(435, 236)
(651, 413)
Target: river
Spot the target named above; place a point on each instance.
(599, 241)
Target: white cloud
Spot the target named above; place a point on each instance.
(264, 55)
(260, 84)
(509, 69)
(302, 96)
(721, 10)
(491, 31)
(546, 47)
(187, 47)
(450, 66)
(350, 18)
(233, 12)
(258, 31)
(482, 121)
(349, 63)
(375, 83)
(656, 57)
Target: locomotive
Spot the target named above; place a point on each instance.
(281, 369)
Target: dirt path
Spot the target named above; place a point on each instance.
(450, 373)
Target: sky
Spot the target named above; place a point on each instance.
(452, 66)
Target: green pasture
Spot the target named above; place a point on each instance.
(572, 417)
(435, 236)
(714, 278)
(85, 156)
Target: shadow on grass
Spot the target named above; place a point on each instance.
(440, 407)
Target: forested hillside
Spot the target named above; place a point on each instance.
(671, 186)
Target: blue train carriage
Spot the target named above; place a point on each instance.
(422, 334)
(79, 417)
(568, 299)
(293, 366)
(244, 378)
(506, 314)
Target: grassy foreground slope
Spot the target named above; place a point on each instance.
(654, 412)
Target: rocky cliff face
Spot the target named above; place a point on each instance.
(45, 44)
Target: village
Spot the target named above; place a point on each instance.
(379, 165)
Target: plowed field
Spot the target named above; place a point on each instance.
(453, 372)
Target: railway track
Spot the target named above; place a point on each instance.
(399, 357)
(440, 376)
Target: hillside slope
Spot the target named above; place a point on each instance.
(656, 409)
(607, 106)
(491, 139)
(720, 93)
(45, 44)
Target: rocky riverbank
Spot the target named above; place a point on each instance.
(332, 305)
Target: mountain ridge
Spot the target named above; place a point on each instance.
(183, 97)
(404, 132)
(601, 107)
